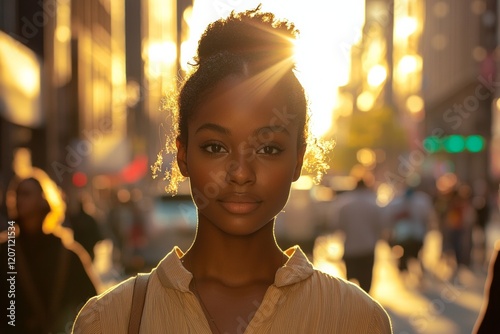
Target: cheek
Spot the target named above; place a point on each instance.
(27, 207)
(201, 169)
(207, 179)
(277, 179)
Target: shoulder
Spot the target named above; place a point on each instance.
(343, 291)
(111, 309)
(352, 304)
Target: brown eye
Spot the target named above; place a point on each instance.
(214, 148)
(269, 150)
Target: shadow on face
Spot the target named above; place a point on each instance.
(31, 205)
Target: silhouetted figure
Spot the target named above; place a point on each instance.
(356, 213)
(85, 229)
(51, 281)
(128, 229)
(410, 215)
(457, 227)
(488, 321)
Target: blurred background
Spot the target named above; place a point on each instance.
(407, 89)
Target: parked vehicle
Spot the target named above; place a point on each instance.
(149, 235)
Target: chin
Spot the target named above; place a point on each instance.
(240, 225)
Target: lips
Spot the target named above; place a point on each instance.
(239, 203)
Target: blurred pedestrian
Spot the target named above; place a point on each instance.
(410, 216)
(85, 228)
(458, 220)
(488, 322)
(127, 225)
(52, 281)
(484, 205)
(116, 218)
(358, 216)
(241, 140)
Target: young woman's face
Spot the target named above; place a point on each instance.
(241, 158)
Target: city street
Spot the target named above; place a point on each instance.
(440, 304)
(365, 128)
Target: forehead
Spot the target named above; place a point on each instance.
(237, 102)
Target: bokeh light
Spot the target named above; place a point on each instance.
(366, 157)
(377, 75)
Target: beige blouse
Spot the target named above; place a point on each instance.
(301, 300)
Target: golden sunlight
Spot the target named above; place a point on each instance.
(377, 75)
(327, 33)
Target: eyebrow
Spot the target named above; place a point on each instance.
(213, 127)
(274, 128)
(222, 130)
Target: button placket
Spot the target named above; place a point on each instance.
(272, 299)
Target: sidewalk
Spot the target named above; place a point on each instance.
(440, 304)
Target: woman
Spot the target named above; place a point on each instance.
(51, 281)
(240, 138)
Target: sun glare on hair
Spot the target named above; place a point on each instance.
(322, 52)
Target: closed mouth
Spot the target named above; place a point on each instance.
(239, 203)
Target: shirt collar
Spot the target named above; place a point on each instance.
(174, 275)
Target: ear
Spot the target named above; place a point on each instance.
(300, 161)
(182, 157)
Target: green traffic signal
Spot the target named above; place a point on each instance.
(474, 143)
(454, 144)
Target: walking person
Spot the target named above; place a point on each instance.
(411, 215)
(457, 224)
(54, 276)
(85, 228)
(358, 216)
(242, 135)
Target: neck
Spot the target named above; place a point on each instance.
(234, 260)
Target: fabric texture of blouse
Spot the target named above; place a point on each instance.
(301, 300)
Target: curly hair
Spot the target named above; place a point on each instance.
(250, 43)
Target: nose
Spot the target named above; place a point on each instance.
(240, 171)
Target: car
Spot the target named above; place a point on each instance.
(166, 222)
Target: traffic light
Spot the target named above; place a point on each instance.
(474, 143)
(432, 144)
(454, 143)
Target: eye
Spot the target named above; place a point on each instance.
(269, 150)
(214, 148)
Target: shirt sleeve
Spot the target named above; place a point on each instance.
(88, 319)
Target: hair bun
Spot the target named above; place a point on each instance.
(256, 36)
